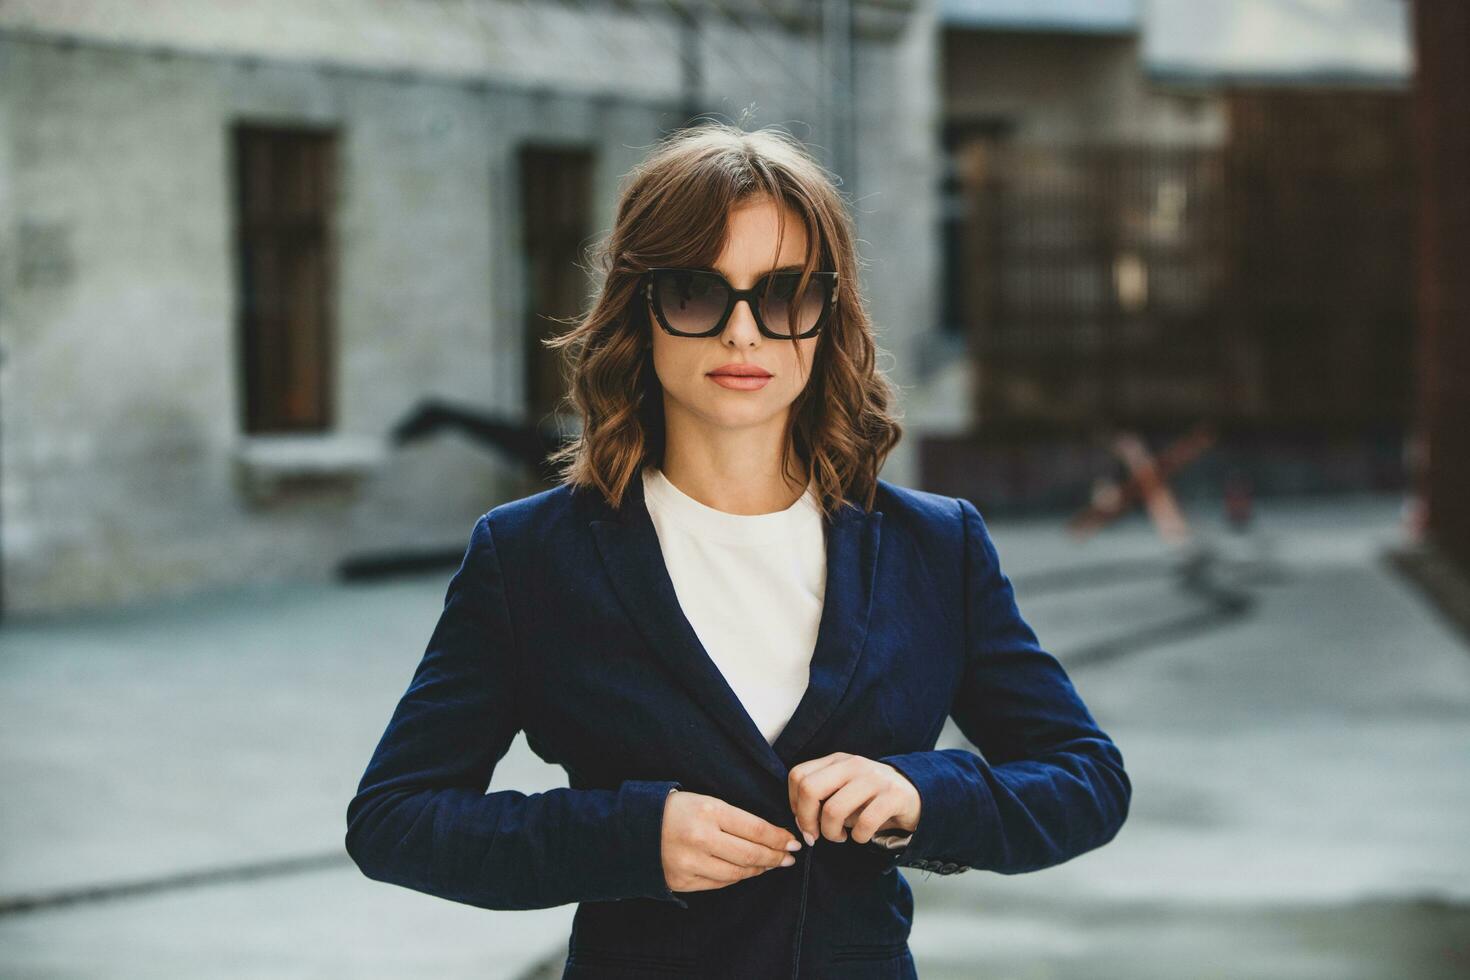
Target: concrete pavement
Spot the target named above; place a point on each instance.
(1300, 776)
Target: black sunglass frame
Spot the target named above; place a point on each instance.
(734, 296)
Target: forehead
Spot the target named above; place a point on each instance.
(750, 243)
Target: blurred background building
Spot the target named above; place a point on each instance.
(1170, 213)
(276, 278)
(247, 245)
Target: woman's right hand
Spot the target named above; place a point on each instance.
(708, 843)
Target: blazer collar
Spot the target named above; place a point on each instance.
(628, 543)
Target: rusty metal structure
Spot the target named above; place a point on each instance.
(1264, 285)
(1097, 276)
(1266, 280)
(1320, 209)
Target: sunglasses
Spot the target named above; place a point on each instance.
(698, 302)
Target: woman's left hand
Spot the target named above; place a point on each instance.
(840, 791)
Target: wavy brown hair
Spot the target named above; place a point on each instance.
(673, 210)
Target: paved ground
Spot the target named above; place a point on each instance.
(1300, 776)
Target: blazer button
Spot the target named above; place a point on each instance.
(947, 868)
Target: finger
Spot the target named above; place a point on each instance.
(800, 772)
(813, 787)
(747, 853)
(839, 809)
(742, 823)
(806, 786)
(868, 819)
(718, 869)
(695, 864)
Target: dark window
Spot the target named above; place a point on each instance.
(556, 193)
(285, 182)
(967, 146)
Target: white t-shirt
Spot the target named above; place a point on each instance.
(752, 586)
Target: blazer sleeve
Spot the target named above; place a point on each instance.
(421, 817)
(1050, 784)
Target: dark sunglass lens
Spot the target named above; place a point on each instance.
(782, 296)
(691, 302)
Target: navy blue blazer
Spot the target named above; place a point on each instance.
(562, 622)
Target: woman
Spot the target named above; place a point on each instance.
(740, 643)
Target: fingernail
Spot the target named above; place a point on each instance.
(794, 845)
(809, 838)
(788, 861)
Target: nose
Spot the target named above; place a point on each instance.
(740, 329)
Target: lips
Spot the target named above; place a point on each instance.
(740, 371)
(740, 377)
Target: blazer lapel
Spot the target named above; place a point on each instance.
(628, 543)
(853, 537)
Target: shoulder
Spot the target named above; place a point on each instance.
(552, 522)
(919, 507)
(935, 523)
(965, 526)
(541, 510)
(546, 522)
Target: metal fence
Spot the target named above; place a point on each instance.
(1136, 284)
(1264, 286)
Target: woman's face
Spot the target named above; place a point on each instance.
(684, 364)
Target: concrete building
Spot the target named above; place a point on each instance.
(239, 243)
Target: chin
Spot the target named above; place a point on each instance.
(736, 416)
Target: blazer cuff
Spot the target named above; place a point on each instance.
(645, 800)
(946, 830)
(892, 841)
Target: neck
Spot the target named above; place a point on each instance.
(736, 484)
